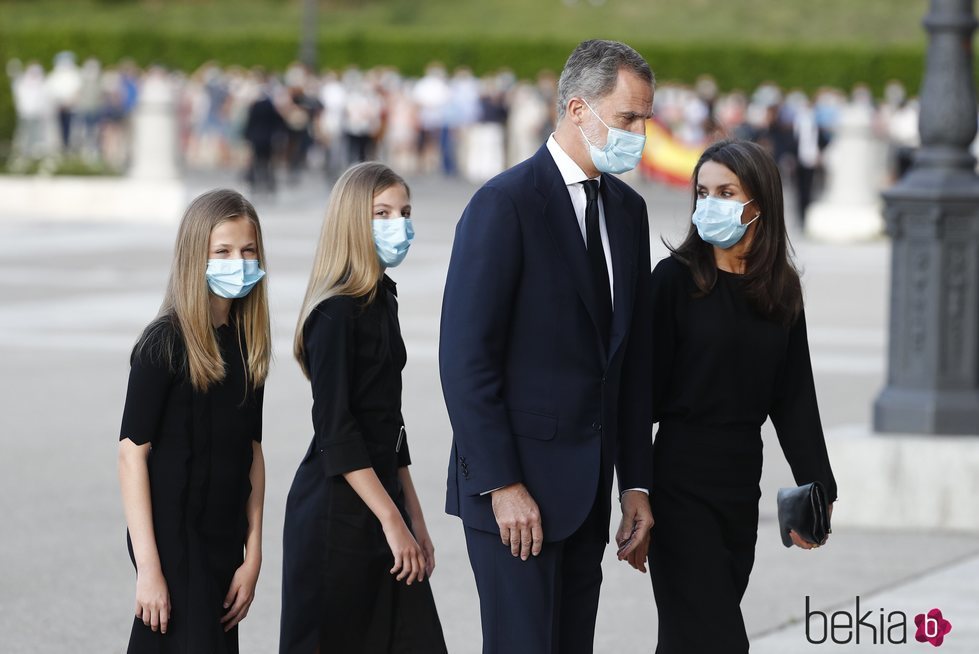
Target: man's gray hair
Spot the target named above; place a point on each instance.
(592, 71)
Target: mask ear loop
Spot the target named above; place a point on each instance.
(595, 113)
(757, 215)
(585, 136)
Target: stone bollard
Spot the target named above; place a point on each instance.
(850, 209)
(154, 155)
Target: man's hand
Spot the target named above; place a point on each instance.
(519, 520)
(633, 534)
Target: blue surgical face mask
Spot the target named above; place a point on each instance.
(622, 150)
(232, 278)
(718, 221)
(392, 238)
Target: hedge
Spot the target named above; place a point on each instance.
(738, 66)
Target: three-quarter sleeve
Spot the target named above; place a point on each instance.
(795, 414)
(150, 380)
(329, 347)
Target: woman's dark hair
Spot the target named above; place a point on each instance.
(770, 280)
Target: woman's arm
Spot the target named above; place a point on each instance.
(418, 526)
(795, 415)
(409, 558)
(241, 593)
(152, 596)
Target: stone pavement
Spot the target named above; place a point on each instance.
(74, 297)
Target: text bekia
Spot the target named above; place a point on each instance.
(843, 627)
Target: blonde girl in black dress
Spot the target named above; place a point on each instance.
(357, 555)
(190, 457)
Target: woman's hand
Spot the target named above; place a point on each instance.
(425, 542)
(241, 594)
(152, 599)
(409, 557)
(804, 544)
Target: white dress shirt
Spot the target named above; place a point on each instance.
(574, 177)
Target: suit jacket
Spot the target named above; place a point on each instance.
(532, 392)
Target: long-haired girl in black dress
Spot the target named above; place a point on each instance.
(190, 456)
(730, 351)
(356, 553)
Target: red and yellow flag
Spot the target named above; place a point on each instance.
(665, 158)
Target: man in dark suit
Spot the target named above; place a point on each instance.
(263, 125)
(546, 366)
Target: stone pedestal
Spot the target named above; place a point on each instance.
(91, 199)
(850, 208)
(904, 481)
(155, 130)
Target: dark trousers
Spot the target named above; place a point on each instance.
(261, 175)
(546, 604)
(805, 179)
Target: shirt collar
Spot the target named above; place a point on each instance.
(570, 171)
(389, 284)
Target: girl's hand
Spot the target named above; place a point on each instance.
(409, 557)
(241, 594)
(425, 542)
(152, 599)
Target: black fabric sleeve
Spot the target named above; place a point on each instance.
(329, 345)
(795, 414)
(634, 460)
(150, 379)
(484, 271)
(259, 399)
(667, 286)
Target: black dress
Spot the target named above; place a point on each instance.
(199, 465)
(338, 595)
(720, 369)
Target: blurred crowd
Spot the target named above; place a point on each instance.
(73, 109)
(277, 127)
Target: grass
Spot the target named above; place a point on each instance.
(74, 166)
(865, 22)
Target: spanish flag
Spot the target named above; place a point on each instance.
(665, 159)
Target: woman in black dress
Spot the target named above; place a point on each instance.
(730, 351)
(357, 555)
(190, 456)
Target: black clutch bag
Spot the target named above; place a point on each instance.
(806, 511)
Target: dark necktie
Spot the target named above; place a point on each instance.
(596, 261)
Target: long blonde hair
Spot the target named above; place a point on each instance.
(186, 303)
(346, 262)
